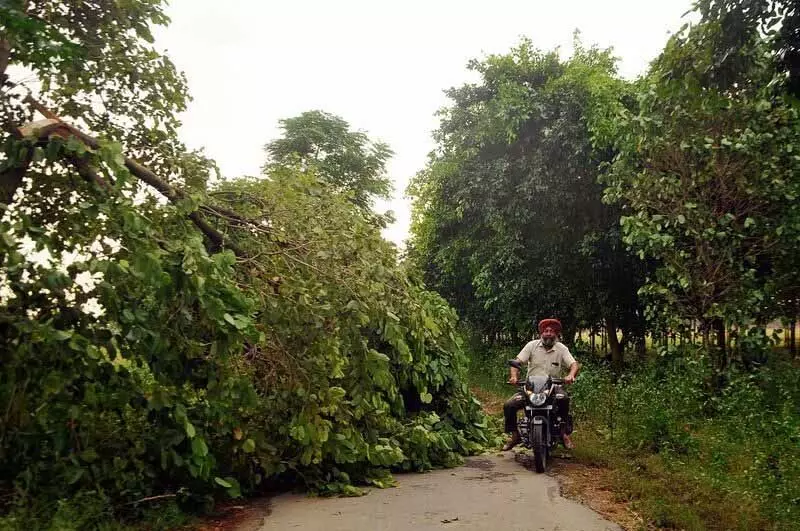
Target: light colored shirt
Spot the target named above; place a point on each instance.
(542, 362)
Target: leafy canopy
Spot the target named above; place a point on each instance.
(508, 223)
(707, 174)
(348, 161)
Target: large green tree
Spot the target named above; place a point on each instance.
(348, 161)
(707, 173)
(508, 219)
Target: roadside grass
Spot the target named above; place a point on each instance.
(89, 512)
(704, 484)
(667, 492)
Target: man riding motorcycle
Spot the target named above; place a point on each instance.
(545, 356)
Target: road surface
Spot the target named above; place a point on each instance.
(488, 493)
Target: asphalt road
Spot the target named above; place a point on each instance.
(488, 493)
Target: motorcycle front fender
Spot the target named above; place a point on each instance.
(540, 431)
(544, 422)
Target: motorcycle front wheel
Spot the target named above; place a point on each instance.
(539, 444)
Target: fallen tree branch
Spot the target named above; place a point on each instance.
(88, 173)
(150, 498)
(54, 127)
(37, 106)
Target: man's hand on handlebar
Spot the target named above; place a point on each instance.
(569, 379)
(513, 380)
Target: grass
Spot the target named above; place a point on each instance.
(92, 512)
(706, 488)
(666, 492)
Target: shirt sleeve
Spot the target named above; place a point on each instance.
(525, 354)
(567, 358)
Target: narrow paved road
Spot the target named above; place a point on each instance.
(492, 493)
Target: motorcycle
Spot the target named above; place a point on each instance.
(540, 428)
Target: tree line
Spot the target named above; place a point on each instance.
(663, 205)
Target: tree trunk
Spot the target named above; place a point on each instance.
(5, 57)
(568, 336)
(591, 339)
(617, 359)
(721, 347)
(792, 338)
(603, 342)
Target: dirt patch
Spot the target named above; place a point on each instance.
(592, 487)
(490, 402)
(492, 477)
(479, 462)
(231, 517)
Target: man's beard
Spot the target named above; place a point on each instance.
(548, 341)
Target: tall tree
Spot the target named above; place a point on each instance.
(707, 173)
(510, 196)
(346, 160)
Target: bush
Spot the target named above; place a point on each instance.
(148, 366)
(743, 440)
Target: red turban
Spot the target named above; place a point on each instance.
(555, 324)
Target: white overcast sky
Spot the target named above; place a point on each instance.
(382, 66)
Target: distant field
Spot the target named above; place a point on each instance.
(782, 334)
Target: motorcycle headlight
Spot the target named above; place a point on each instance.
(537, 399)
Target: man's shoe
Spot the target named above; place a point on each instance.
(568, 444)
(512, 442)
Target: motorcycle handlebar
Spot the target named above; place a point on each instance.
(556, 381)
(517, 365)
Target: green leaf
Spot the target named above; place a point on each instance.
(249, 446)
(426, 397)
(336, 393)
(89, 455)
(199, 447)
(62, 335)
(73, 475)
(234, 491)
(221, 482)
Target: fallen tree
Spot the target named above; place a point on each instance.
(260, 332)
